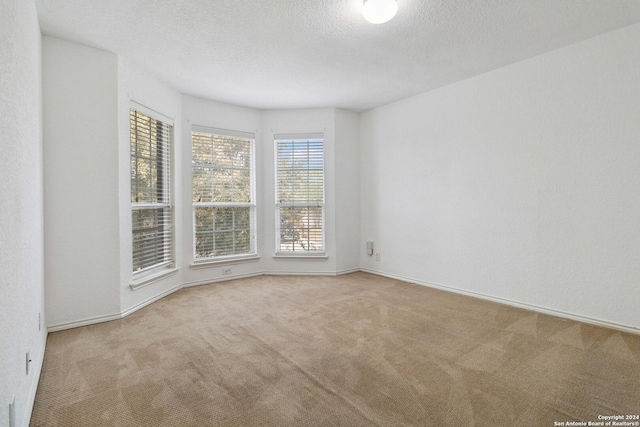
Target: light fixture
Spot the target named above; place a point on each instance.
(379, 11)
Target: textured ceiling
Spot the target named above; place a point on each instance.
(322, 53)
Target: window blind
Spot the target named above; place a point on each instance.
(151, 201)
(223, 170)
(300, 195)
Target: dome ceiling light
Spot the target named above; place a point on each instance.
(379, 11)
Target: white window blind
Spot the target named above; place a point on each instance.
(299, 194)
(223, 169)
(151, 206)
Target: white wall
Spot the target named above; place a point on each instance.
(202, 112)
(21, 214)
(297, 121)
(522, 183)
(136, 88)
(347, 191)
(80, 102)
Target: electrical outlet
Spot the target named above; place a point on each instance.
(12, 412)
(377, 256)
(226, 271)
(27, 361)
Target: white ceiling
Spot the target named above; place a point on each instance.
(322, 53)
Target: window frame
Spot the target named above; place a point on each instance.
(249, 137)
(163, 186)
(280, 204)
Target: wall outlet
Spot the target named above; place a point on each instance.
(12, 412)
(27, 361)
(226, 271)
(377, 256)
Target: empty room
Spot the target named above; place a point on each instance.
(320, 213)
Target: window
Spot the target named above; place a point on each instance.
(299, 194)
(152, 219)
(224, 206)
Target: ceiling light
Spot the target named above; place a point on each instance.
(379, 11)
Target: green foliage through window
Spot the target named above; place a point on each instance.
(300, 195)
(222, 195)
(151, 210)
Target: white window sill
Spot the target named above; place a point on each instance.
(215, 262)
(295, 257)
(147, 280)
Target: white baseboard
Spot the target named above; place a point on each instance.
(530, 307)
(269, 273)
(221, 279)
(83, 322)
(150, 300)
(299, 273)
(347, 271)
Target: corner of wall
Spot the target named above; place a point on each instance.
(21, 216)
(80, 189)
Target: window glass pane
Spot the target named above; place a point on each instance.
(285, 187)
(204, 232)
(202, 184)
(151, 195)
(140, 180)
(223, 243)
(222, 153)
(242, 155)
(148, 237)
(242, 218)
(202, 149)
(300, 182)
(288, 233)
(143, 147)
(300, 174)
(150, 146)
(221, 177)
(204, 245)
(204, 219)
(301, 229)
(223, 218)
(241, 186)
(242, 242)
(222, 185)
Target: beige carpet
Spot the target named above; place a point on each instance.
(356, 350)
